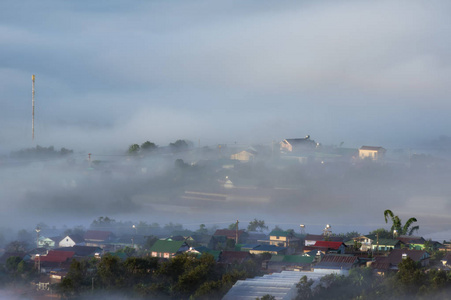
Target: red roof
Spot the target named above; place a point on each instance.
(55, 256)
(97, 235)
(328, 244)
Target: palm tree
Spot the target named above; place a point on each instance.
(397, 224)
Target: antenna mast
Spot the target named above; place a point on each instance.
(32, 105)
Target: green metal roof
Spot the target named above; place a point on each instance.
(386, 242)
(166, 246)
(203, 249)
(292, 259)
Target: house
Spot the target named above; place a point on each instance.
(82, 251)
(297, 145)
(45, 242)
(372, 153)
(371, 242)
(198, 251)
(279, 263)
(98, 238)
(168, 249)
(272, 249)
(311, 239)
(234, 257)
(342, 262)
(413, 242)
(390, 262)
(72, 240)
(244, 156)
(283, 238)
(446, 261)
(53, 260)
(327, 247)
(386, 245)
(231, 234)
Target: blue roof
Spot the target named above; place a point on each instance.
(269, 248)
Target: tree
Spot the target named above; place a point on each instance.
(202, 229)
(133, 149)
(397, 224)
(383, 233)
(257, 224)
(266, 297)
(180, 145)
(148, 146)
(304, 288)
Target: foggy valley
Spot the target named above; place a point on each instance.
(214, 149)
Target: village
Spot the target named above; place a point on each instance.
(44, 260)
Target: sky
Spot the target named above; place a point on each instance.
(112, 73)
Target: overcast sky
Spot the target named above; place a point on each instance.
(110, 73)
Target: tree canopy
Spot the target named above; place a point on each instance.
(405, 229)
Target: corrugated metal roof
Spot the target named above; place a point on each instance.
(328, 244)
(331, 261)
(163, 246)
(281, 285)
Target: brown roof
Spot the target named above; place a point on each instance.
(97, 235)
(320, 237)
(381, 263)
(230, 234)
(234, 257)
(447, 258)
(395, 256)
(410, 239)
(333, 261)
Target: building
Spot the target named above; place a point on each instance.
(244, 156)
(331, 262)
(72, 240)
(168, 249)
(297, 145)
(283, 238)
(372, 153)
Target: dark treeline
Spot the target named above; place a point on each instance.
(181, 277)
(410, 282)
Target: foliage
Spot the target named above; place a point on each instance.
(202, 229)
(405, 229)
(133, 149)
(41, 152)
(103, 222)
(304, 287)
(383, 233)
(180, 145)
(148, 146)
(257, 225)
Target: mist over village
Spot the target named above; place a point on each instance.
(225, 150)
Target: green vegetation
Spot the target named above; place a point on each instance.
(41, 152)
(257, 225)
(182, 277)
(397, 224)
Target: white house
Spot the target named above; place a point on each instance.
(72, 240)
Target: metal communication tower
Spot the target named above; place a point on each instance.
(32, 107)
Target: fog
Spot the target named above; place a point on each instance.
(112, 73)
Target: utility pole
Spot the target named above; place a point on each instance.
(32, 107)
(236, 233)
(38, 229)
